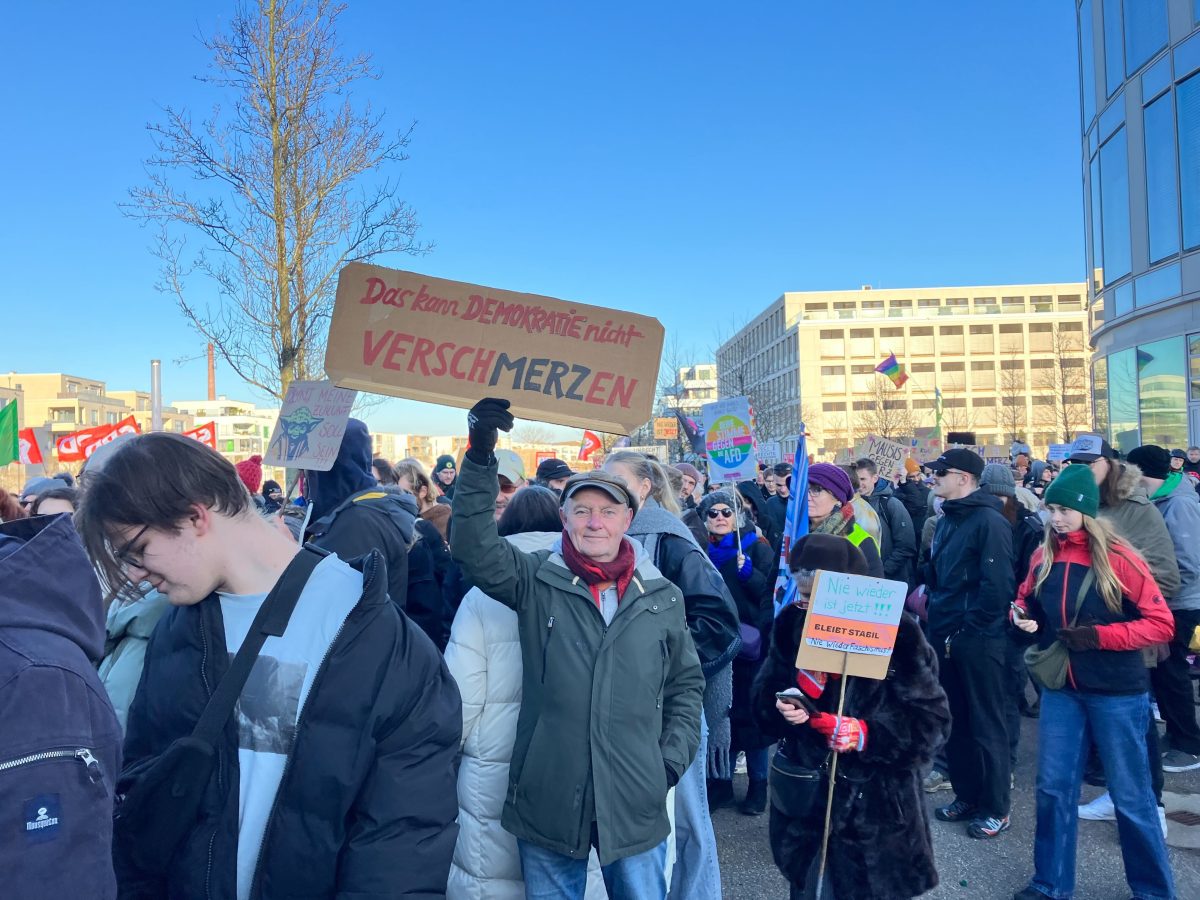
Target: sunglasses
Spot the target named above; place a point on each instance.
(507, 487)
(724, 513)
(126, 557)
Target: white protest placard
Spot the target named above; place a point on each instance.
(770, 452)
(1058, 452)
(851, 624)
(729, 440)
(311, 425)
(888, 456)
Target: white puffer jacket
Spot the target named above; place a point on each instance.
(484, 656)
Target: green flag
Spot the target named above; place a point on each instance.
(10, 450)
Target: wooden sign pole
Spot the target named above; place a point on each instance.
(832, 782)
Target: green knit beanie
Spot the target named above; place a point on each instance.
(1075, 488)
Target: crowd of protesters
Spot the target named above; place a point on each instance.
(475, 684)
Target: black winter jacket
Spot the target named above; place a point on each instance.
(367, 805)
(880, 846)
(60, 744)
(969, 575)
(915, 497)
(898, 549)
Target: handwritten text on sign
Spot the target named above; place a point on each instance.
(854, 613)
(729, 440)
(888, 456)
(311, 425)
(447, 342)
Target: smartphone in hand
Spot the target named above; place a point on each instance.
(795, 697)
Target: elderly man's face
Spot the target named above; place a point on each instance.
(596, 523)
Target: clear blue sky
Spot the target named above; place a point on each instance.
(688, 161)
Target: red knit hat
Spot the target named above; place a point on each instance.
(250, 471)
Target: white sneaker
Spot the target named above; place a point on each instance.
(1099, 810)
(1162, 820)
(1157, 715)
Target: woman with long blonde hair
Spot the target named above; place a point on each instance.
(1092, 595)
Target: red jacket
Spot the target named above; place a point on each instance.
(1116, 667)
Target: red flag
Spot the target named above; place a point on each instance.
(31, 453)
(78, 445)
(591, 443)
(205, 434)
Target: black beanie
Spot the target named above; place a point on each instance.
(830, 552)
(1154, 461)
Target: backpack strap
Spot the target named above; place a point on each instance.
(1088, 580)
(272, 619)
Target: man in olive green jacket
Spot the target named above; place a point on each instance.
(610, 714)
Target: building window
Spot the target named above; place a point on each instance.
(1114, 47)
(986, 305)
(862, 342)
(921, 368)
(1070, 303)
(1100, 396)
(862, 370)
(983, 401)
(953, 367)
(833, 407)
(1162, 393)
(1194, 362)
(1123, 399)
(1145, 31)
(1114, 199)
(1041, 337)
(1188, 113)
(1012, 340)
(920, 342)
(1041, 364)
(928, 303)
(833, 370)
(1087, 63)
(983, 339)
(1012, 304)
(1162, 207)
(1010, 365)
(1096, 244)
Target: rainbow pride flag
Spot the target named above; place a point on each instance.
(892, 370)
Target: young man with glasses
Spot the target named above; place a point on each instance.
(339, 757)
(970, 583)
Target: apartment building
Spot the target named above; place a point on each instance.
(694, 386)
(1008, 361)
(139, 402)
(243, 429)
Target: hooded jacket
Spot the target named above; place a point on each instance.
(365, 807)
(353, 515)
(1180, 507)
(1139, 522)
(915, 497)
(131, 621)
(60, 745)
(1116, 666)
(711, 616)
(969, 576)
(484, 656)
(898, 548)
(609, 712)
(880, 846)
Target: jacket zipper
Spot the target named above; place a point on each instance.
(662, 687)
(254, 881)
(92, 765)
(546, 645)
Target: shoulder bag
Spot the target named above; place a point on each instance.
(1049, 666)
(158, 799)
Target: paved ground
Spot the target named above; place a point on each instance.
(979, 870)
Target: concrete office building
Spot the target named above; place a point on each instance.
(694, 386)
(1009, 361)
(1140, 100)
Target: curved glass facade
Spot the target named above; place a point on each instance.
(1139, 72)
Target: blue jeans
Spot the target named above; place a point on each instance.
(1117, 725)
(696, 875)
(758, 764)
(556, 876)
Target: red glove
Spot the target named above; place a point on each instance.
(842, 733)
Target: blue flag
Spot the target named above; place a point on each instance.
(795, 526)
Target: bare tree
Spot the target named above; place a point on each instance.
(956, 417)
(888, 414)
(1064, 385)
(533, 433)
(272, 189)
(1011, 414)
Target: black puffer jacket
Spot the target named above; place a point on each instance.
(915, 497)
(367, 804)
(898, 549)
(969, 575)
(880, 846)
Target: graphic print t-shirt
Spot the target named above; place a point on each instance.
(268, 710)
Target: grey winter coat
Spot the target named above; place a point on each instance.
(130, 623)
(1180, 508)
(1134, 518)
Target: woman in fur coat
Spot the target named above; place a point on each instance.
(879, 846)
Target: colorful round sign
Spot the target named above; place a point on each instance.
(729, 441)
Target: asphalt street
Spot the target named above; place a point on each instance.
(979, 870)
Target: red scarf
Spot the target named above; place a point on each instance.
(595, 573)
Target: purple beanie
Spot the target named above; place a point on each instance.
(833, 478)
(689, 470)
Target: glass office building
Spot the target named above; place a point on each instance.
(1139, 67)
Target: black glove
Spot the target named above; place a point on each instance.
(1083, 637)
(484, 421)
(672, 780)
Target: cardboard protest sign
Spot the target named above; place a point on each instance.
(995, 454)
(409, 335)
(78, 445)
(888, 456)
(729, 440)
(666, 429)
(1058, 452)
(851, 624)
(310, 427)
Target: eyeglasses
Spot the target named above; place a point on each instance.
(816, 489)
(724, 513)
(507, 487)
(126, 556)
